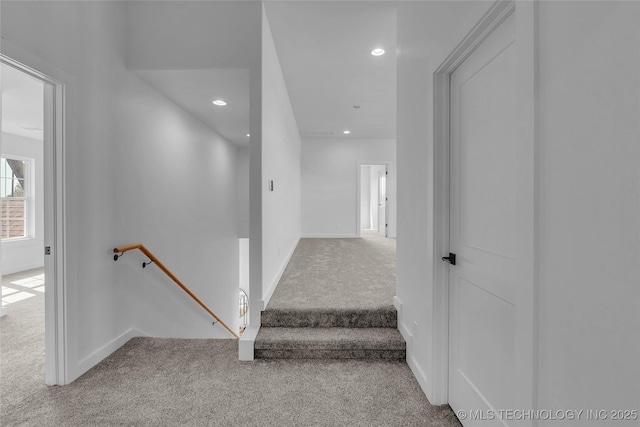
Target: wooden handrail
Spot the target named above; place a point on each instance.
(161, 266)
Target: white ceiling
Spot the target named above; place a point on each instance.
(195, 90)
(22, 103)
(324, 48)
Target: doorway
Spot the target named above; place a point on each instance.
(374, 198)
(31, 183)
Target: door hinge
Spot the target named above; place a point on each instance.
(47, 250)
(451, 259)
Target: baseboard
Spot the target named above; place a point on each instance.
(245, 345)
(266, 297)
(97, 356)
(330, 236)
(3, 311)
(418, 373)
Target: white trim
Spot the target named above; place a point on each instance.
(100, 354)
(525, 351)
(246, 343)
(330, 236)
(418, 373)
(272, 287)
(56, 344)
(359, 164)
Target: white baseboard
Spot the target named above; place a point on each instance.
(272, 286)
(245, 345)
(330, 236)
(100, 354)
(418, 373)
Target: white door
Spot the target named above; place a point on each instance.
(483, 223)
(382, 202)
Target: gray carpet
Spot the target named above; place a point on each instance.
(170, 382)
(334, 301)
(339, 274)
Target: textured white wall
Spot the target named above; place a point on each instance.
(330, 183)
(280, 163)
(25, 254)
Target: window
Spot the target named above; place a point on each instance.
(14, 192)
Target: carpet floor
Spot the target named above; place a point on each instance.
(339, 274)
(174, 382)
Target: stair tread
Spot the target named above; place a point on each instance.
(330, 338)
(383, 317)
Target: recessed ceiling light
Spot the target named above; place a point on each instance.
(248, 134)
(219, 102)
(377, 51)
(346, 132)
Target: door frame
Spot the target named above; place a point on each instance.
(359, 165)
(54, 233)
(525, 367)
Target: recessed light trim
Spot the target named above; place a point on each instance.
(346, 132)
(219, 102)
(377, 51)
(248, 135)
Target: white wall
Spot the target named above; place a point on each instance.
(330, 169)
(25, 254)
(365, 197)
(589, 205)
(177, 194)
(427, 33)
(280, 164)
(82, 48)
(242, 178)
(587, 298)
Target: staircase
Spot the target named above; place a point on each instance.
(330, 334)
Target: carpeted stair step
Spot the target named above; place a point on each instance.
(384, 317)
(329, 343)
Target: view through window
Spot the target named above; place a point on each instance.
(14, 188)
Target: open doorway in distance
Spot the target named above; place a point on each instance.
(374, 201)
